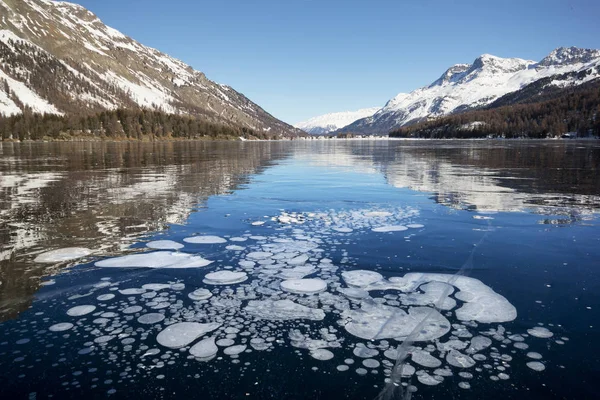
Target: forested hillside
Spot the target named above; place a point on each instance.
(571, 109)
(119, 125)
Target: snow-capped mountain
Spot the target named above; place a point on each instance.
(488, 78)
(330, 122)
(59, 58)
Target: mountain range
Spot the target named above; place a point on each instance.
(488, 81)
(59, 58)
(327, 123)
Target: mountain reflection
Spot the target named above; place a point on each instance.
(104, 196)
(558, 177)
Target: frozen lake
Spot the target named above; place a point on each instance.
(300, 270)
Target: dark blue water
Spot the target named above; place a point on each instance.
(519, 217)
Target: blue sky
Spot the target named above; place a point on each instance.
(302, 58)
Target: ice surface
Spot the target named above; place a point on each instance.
(78, 311)
(206, 348)
(225, 278)
(157, 259)
(205, 239)
(304, 286)
(164, 245)
(182, 334)
(60, 255)
(282, 310)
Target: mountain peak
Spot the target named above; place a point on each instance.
(499, 65)
(568, 56)
(330, 122)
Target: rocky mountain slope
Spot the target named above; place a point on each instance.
(59, 58)
(330, 122)
(470, 86)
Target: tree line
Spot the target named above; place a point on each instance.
(118, 124)
(572, 110)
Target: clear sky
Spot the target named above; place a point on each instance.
(302, 58)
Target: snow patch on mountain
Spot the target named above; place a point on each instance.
(467, 86)
(330, 122)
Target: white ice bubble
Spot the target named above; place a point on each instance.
(104, 297)
(364, 352)
(321, 354)
(132, 310)
(234, 247)
(258, 223)
(460, 360)
(78, 311)
(206, 348)
(282, 310)
(377, 214)
(536, 366)
(540, 332)
(377, 321)
(224, 278)
(390, 228)
(235, 350)
(60, 255)
(482, 304)
(158, 259)
(182, 334)
(354, 293)
(132, 291)
(151, 318)
(225, 342)
(205, 240)
(371, 363)
(164, 245)
(425, 359)
(60, 327)
(415, 226)
(361, 278)
(304, 286)
(478, 343)
(429, 380)
(407, 370)
(535, 356)
(259, 255)
(343, 229)
(200, 294)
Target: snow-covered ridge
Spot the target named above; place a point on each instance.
(333, 121)
(467, 86)
(101, 68)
